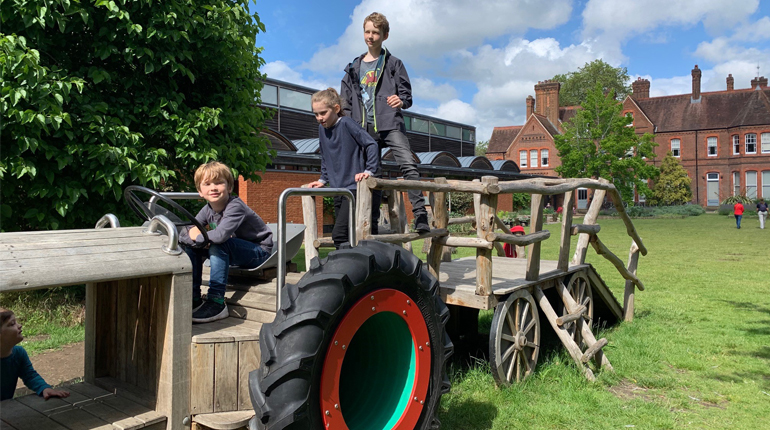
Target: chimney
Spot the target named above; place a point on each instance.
(759, 83)
(696, 84)
(640, 89)
(730, 82)
(547, 100)
(530, 106)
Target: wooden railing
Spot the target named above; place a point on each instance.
(486, 193)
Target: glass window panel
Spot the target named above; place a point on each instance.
(675, 147)
(269, 94)
(468, 135)
(736, 183)
(751, 185)
(736, 145)
(766, 185)
(765, 143)
(544, 157)
(295, 99)
(408, 122)
(522, 159)
(437, 129)
(419, 125)
(533, 158)
(712, 146)
(453, 132)
(751, 143)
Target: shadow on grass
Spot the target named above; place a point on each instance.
(761, 327)
(468, 414)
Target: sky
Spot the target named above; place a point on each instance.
(475, 62)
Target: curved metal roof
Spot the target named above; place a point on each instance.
(307, 146)
(438, 158)
(278, 141)
(505, 166)
(386, 154)
(475, 162)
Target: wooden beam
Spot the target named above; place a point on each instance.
(525, 240)
(485, 216)
(407, 237)
(363, 212)
(585, 229)
(535, 225)
(585, 329)
(440, 221)
(589, 353)
(588, 219)
(462, 220)
(566, 228)
(311, 227)
(551, 186)
(468, 242)
(574, 316)
(628, 294)
(323, 242)
(602, 250)
(630, 229)
(449, 187)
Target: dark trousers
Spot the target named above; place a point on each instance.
(340, 232)
(399, 143)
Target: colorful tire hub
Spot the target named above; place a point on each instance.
(378, 365)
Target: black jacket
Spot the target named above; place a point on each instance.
(392, 80)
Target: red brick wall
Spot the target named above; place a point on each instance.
(263, 196)
(533, 136)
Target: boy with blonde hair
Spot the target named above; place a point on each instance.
(237, 236)
(375, 89)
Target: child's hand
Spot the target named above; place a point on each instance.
(315, 184)
(361, 176)
(50, 392)
(194, 233)
(395, 102)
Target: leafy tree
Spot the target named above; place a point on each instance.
(599, 142)
(98, 95)
(481, 148)
(575, 86)
(673, 185)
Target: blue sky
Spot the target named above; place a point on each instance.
(475, 62)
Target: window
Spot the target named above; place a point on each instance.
(269, 95)
(712, 146)
(751, 143)
(408, 122)
(522, 159)
(765, 143)
(736, 183)
(453, 132)
(533, 157)
(468, 135)
(736, 145)
(712, 189)
(419, 125)
(544, 157)
(675, 147)
(766, 185)
(751, 185)
(295, 99)
(437, 129)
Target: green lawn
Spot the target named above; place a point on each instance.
(696, 355)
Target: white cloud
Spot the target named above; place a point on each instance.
(283, 72)
(428, 90)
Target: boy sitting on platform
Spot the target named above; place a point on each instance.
(237, 234)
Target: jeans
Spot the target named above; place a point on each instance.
(762, 216)
(234, 251)
(738, 220)
(399, 143)
(341, 230)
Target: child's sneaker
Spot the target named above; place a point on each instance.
(210, 311)
(197, 303)
(421, 223)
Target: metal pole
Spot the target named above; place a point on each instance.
(281, 281)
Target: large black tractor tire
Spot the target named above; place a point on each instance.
(373, 378)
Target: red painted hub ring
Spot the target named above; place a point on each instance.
(384, 300)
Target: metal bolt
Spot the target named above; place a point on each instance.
(404, 312)
(415, 399)
(420, 347)
(336, 406)
(335, 342)
(343, 346)
(427, 343)
(372, 297)
(421, 402)
(373, 310)
(408, 302)
(327, 413)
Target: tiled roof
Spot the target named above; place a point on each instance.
(566, 113)
(722, 109)
(502, 137)
(551, 128)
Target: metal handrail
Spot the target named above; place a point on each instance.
(108, 219)
(281, 281)
(173, 237)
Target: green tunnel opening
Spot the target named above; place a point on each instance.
(378, 373)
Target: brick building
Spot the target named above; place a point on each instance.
(721, 138)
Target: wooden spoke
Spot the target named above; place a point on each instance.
(580, 290)
(514, 342)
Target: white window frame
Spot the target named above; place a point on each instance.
(523, 159)
(533, 158)
(765, 145)
(678, 153)
(736, 145)
(766, 184)
(736, 183)
(544, 160)
(749, 186)
(746, 141)
(711, 142)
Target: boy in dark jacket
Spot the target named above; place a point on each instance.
(375, 89)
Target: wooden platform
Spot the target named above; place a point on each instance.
(87, 407)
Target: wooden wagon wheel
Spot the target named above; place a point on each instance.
(580, 289)
(514, 342)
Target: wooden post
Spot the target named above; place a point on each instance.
(363, 211)
(485, 218)
(311, 228)
(590, 218)
(440, 221)
(398, 213)
(535, 225)
(628, 296)
(566, 232)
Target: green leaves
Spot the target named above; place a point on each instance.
(123, 93)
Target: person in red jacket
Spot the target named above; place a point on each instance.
(510, 250)
(738, 211)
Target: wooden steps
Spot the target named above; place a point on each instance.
(87, 407)
(222, 420)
